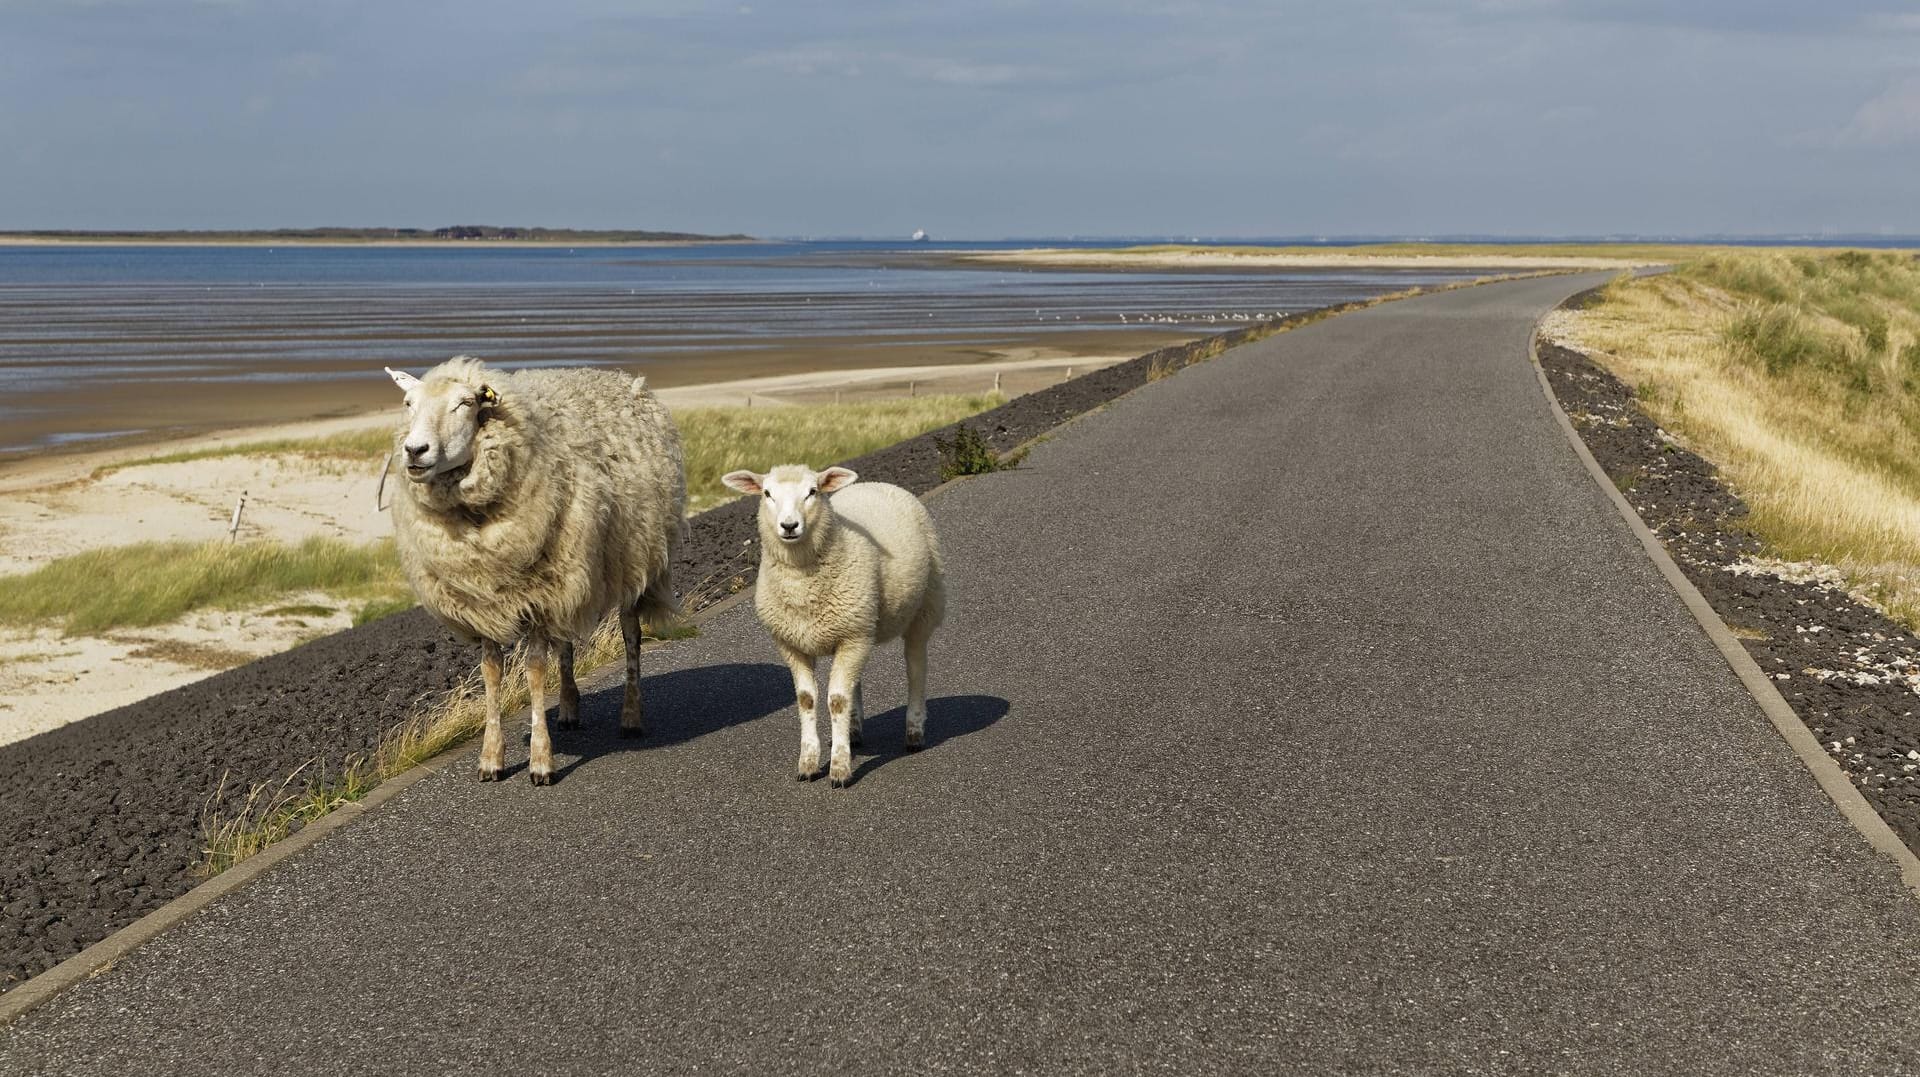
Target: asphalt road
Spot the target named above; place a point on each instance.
(1310, 711)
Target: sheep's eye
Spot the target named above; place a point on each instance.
(769, 495)
(462, 404)
(810, 493)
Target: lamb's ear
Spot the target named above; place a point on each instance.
(404, 380)
(487, 397)
(836, 478)
(744, 481)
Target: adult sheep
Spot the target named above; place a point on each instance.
(536, 502)
(842, 568)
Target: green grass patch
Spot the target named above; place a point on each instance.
(383, 606)
(299, 610)
(151, 583)
(719, 440)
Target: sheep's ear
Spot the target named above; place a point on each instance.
(836, 478)
(404, 380)
(487, 397)
(744, 481)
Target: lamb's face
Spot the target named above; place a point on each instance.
(443, 418)
(792, 497)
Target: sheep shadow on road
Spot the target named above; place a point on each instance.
(948, 718)
(690, 703)
(679, 706)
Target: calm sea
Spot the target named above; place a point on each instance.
(176, 326)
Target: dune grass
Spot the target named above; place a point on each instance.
(721, 439)
(1645, 253)
(1798, 374)
(149, 583)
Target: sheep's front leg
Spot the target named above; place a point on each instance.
(540, 747)
(804, 687)
(492, 750)
(632, 722)
(569, 717)
(848, 663)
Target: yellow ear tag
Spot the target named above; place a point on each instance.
(488, 397)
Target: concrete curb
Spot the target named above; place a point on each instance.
(1833, 781)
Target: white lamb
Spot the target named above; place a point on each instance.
(539, 500)
(843, 568)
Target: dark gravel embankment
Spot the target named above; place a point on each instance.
(1848, 671)
(100, 820)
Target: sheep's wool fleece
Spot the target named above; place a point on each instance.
(571, 505)
(868, 573)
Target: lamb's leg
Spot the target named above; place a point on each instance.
(632, 722)
(916, 639)
(859, 715)
(540, 747)
(848, 663)
(569, 717)
(804, 687)
(492, 750)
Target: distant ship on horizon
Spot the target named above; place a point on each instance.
(920, 235)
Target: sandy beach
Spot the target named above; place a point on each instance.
(1206, 259)
(55, 505)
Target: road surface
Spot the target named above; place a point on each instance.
(1311, 711)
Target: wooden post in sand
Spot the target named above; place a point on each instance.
(912, 387)
(233, 529)
(1069, 374)
(996, 381)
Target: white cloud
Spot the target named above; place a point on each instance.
(1891, 119)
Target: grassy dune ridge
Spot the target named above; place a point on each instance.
(1798, 373)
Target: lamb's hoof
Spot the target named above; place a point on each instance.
(489, 774)
(839, 782)
(564, 722)
(809, 766)
(540, 777)
(916, 739)
(856, 740)
(633, 732)
(841, 774)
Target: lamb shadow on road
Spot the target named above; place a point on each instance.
(679, 706)
(948, 718)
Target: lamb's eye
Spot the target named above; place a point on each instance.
(462, 404)
(769, 495)
(810, 493)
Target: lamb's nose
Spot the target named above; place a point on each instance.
(789, 528)
(414, 452)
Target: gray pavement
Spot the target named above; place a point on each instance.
(1308, 712)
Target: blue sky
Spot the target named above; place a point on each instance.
(967, 119)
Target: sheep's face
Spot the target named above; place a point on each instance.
(793, 498)
(443, 419)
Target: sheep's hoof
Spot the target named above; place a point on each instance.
(841, 774)
(633, 732)
(567, 721)
(809, 766)
(840, 782)
(489, 774)
(915, 743)
(855, 740)
(540, 777)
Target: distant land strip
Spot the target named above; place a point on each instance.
(461, 233)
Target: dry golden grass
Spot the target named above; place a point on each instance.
(1798, 374)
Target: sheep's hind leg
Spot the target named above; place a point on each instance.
(632, 721)
(540, 747)
(848, 664)
(492, 750)
(917, 635)
(804, 687)
(569, 716)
